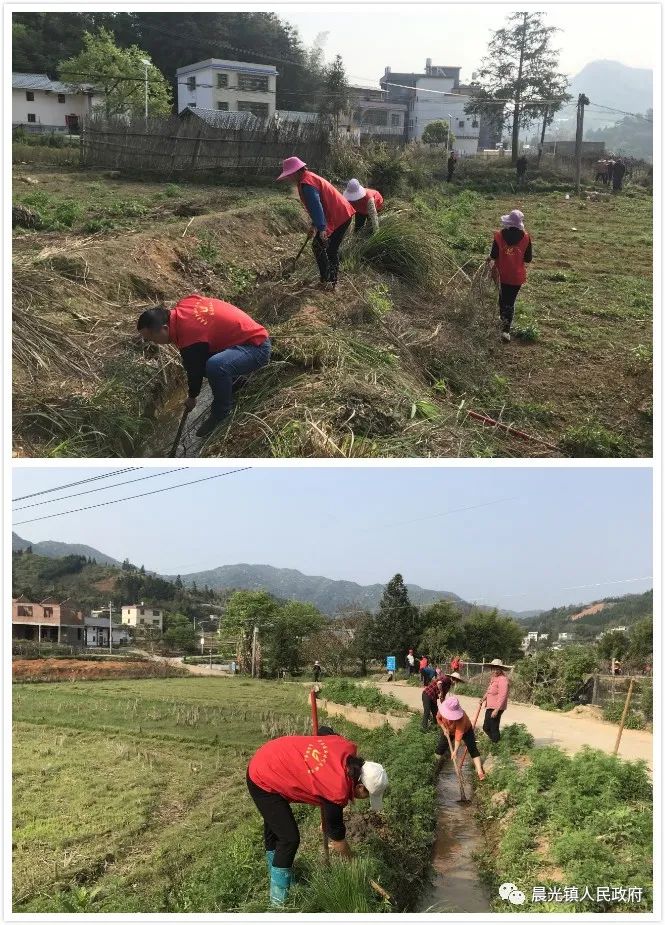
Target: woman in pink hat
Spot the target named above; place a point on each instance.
(453, 720)
(329, 212)
(511, 251)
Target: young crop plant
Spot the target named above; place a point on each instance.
(558, 821)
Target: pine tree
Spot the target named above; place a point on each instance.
(396, 624)
(520, 68)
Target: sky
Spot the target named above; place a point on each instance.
(403, 35)
(520, 538)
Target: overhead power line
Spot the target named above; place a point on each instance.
(94, 478)
(144, 494)
(90, 491)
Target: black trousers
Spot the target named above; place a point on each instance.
(327, 253)
(507, 296)
(468, 738)
(491, 725)
(280, 829)
(429, 709)
(360, 221)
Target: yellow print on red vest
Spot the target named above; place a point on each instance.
(316, 755)
(204, 311)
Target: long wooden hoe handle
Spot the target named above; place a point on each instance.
(315, 730)
(457, 771)
(176, 442)
(475, 723)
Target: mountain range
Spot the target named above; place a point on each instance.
(329, 595)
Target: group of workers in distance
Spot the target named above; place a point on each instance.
(325, 770)
(222, 343)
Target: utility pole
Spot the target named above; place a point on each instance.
(582, 101)
(542, 134)
(518, 91)
(110, 627)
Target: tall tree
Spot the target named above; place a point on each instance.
(488, 636)
(519, 77)
(442, 631)
(119, 73)
(335, 95)
(396, 625)
(283, 641)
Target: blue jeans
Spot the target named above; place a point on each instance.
(224, 367)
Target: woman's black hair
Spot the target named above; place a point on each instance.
(153, 318)
(353, 767)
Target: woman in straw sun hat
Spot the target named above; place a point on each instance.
(511, 251)
(366, 202)
(496, 699)
(453, 720)
(329, 213)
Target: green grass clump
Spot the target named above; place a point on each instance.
(400, 247)
(340, 690)
(593, 440)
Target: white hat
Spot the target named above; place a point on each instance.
(497, 663)
(354, 191)
(374, 778)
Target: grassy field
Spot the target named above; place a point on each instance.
(390, 365)
(130, 796)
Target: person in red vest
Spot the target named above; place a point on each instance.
(216, 340)
(322, 770)
(329, 212)
(511, 251)
(456, 725)
(366, 202)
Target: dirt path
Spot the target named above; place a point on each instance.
(569, 731)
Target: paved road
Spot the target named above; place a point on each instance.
(569, 731)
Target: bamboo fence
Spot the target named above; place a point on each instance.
(187, 147)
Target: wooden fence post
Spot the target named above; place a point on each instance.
(197, 146)
(623, 716)
(594, 695)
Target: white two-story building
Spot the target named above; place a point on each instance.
(433, 95)
(40, 104)
(228, 86)
(138, 615)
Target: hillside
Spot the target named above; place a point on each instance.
(329, 595)
(585, 621)
(90, 583)
(613, 84)
(54, 549)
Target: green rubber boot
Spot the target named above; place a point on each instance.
(280, 881)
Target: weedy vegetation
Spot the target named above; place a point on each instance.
(357, 373)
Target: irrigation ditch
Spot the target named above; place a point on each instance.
(456, 884)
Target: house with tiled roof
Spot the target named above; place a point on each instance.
(40, 104)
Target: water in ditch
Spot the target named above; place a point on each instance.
(457, 886)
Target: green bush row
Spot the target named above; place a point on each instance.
(589, 815)
(342, 691)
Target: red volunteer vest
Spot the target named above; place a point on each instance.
(198, 319)
(335, 207)
(305, 769)
(511, 266)
(360, 205)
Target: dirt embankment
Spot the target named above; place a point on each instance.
(569, 731)
(73, 669)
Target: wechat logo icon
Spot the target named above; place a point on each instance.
(509, 892)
